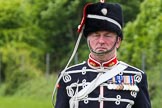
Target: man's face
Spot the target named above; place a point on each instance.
(103, 41)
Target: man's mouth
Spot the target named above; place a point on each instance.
(100, 48)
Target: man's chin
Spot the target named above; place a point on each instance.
(100, 52)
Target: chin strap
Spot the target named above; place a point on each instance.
(63, 72)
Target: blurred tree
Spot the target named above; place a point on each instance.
(22, 40)
(61, 26)
(142, 36)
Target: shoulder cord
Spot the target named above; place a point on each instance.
(63, 72)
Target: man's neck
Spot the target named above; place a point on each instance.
(102, 58)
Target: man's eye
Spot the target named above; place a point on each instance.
(107, 35)
(96, 35)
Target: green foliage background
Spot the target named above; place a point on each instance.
(29, 29)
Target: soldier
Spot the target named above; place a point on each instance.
(102, 81)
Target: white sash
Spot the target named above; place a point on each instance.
(95, 83)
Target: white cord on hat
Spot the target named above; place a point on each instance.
(63, 72)
(104, 18)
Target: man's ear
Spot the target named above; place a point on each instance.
(119, 40)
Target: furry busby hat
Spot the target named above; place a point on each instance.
(102, 16)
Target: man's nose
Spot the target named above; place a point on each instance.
(101, 39)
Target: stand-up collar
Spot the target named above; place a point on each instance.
(95, 64)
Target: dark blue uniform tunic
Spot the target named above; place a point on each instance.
(128, 89)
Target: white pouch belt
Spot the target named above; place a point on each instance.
(95, 83)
